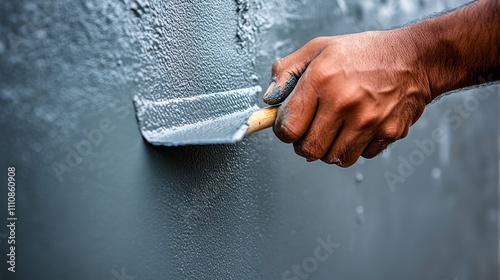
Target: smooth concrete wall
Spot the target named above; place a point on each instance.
(94, 201)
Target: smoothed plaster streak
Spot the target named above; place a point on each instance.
(219, 117)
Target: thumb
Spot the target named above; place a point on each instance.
(287, 71)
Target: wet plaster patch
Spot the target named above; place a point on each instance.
(219, 117)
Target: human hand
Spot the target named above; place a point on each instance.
(348, 96)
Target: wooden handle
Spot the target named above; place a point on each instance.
(261, 119)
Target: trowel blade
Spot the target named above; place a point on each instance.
(214, 118)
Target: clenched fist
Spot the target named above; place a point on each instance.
(348, 96)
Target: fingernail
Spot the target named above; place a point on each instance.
(336, 161)
(273, 94)
(270, 89)
(277, 94)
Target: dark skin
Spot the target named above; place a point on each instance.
(358, 93)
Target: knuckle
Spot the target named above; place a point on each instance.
(277, 66)
(320, 75)
(317, 42)
(346, 102)
(368, 121)
(310, 152)
(390, 133)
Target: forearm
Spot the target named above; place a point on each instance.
(461, 48)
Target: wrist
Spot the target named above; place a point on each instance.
(458, 49)
(434, 56)
(411, 53)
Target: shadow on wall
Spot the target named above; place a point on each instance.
(202, 160)
(203, 180)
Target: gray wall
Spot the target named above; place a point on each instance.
(122, 209)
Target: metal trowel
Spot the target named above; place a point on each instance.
(214, 118)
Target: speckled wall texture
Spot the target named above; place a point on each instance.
(95, 201)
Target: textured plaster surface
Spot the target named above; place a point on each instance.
(95, 201)
(213, 118)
